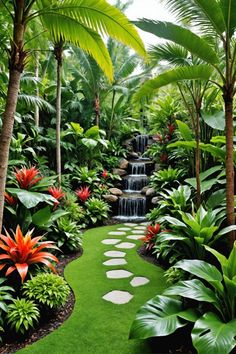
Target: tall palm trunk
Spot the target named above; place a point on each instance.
(228, 101)
(97, 109)
(58, 50)
(16, 66)
(198, 157)
(36, 109)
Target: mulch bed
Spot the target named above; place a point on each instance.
(47, 324)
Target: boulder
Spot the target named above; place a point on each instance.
(119, 172)
(155, 200)
(124, 164)
(144, 189)
(110, 198)
(133, 155)
(150, 192)
(115, 191)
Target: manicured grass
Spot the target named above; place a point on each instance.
(98, 326)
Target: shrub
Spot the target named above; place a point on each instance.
(47, 289)
(97, 210)
(22, 314)
(67, 234)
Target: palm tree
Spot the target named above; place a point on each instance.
(77, 20)
(217, 21)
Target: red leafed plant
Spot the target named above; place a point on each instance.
(150, 237)
(27, 177)
(20, 252)
(57, 193)
(10, 199)
(83, 193)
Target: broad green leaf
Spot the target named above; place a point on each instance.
(213, 11)
(215, 121)
(231, 264)
(174, 221)
(202, 270)
(217, 198)
(210, 171)
(230, 286)
(220, 257)
(158, 317)
(182, 36)
(92, 133)
(193, 289)
(189, 145)
(41, 217)
(213, 336)
(185, 131)
(229, 13)
(90, 143)
(77, 128)
(194, 72)
(31, 199)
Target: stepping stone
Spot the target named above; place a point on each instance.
(110, 241)
(116, 233)
(126, 245)
(114, 254)
(118, 274)
(124, 229)
(115, 261)
(138, 232)
(134, 237)
(140, 227)
(130, 224)
(118, 297)
(145, 223)
(138, 281)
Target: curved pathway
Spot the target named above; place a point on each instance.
(110, 282)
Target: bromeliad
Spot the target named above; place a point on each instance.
(27, 177)
(83, 193)
(57, 193)
(20, 252)
(150, 237)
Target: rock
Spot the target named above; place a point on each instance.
(110, 198)
(124, 164)
(144, 189)
(134, 155)
(150, 192)
(115, 191)
(119, 172)
(155, 200)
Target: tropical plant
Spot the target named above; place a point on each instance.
(66, 234)
(56, 193)
(27, 177)
(150, 236)
(83, 193)
(21, 252)
(5, 296)
(73, 20)
(166, 177)
(83, 175)
(47, 289)
(96, 210)
(214, 317)
(216, 18)
(22, 315)
(193, 231)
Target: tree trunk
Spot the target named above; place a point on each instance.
(97, 109)
(58, 50)
(36, 109)
(198, 159)
(112, 115)
(228, 100)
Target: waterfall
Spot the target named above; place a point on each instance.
(135, 183)
(132, 208)
(138, 168)
(141, 142)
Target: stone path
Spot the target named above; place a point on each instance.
(132, 232)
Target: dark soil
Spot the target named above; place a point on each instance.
(12, 344)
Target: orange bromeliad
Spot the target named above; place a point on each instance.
(22, 251)
(27, 177)
(149, 238)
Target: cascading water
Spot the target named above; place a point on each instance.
(132, 204)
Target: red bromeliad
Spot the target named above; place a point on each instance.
(27, 177)
(57, 193)
(10, 199)
(20, 252)
(171, 128)
(83, 193)
(105, 174)
(150, 237)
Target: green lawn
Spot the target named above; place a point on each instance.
(97, 326)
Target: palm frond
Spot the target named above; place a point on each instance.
(31, 101)
(170, 52)
(197, 72)
(181, 36)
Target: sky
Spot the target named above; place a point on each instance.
(151, 9)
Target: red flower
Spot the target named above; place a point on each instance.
(57, 193)
(158, 137)
(9, 199)
(149, 238)
(20, 252)
(105, 174)
(27, 177)
(83, 193)
(171, 127)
